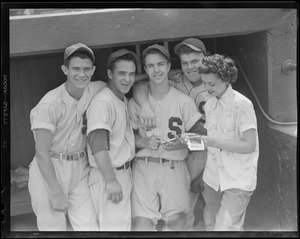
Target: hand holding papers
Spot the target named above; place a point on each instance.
(194, 141)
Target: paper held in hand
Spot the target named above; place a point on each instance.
(194, 141)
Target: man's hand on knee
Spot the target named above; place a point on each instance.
(176, 222)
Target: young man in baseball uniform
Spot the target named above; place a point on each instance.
(112, 143)
(191, 51)
(161, 178)
(58, 175)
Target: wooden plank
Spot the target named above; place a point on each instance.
(139, 54)
(20, 202)
(100, 29)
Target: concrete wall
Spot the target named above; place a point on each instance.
(282, 39)
(283, 153)
(102, 28)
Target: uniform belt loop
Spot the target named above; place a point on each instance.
(172, 164)
(146, 161)
(61, 159)
(78, 155)
(160, 160)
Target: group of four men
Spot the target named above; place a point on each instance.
(96, 160)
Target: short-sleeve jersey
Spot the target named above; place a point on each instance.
(64, 117)
(227, 119)
(175, 114)
(197, 93)
(107, 111)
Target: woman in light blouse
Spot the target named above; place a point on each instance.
(230, 174)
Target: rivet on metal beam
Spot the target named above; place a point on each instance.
(288, 66)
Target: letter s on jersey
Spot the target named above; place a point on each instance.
(174, 127)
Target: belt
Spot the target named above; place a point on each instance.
(124, 166)
(70, 157)
(155, 160)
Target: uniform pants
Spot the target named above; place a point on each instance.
(159, 190)
(195, 162)
(81, 211)
(225, 211)
(111, 216)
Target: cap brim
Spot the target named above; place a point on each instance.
(86, 50)
(81, 49)
(178, 46)
(160, 50)
(110, 60)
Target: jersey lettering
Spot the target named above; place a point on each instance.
(173, 127)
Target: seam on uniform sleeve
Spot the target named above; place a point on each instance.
(43, 126)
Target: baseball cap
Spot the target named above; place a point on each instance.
(113, 56)
(195, 44)
(161, 48)
(78, 47)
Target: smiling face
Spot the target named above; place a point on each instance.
(190, 63)
(157, 67)
(79, 73)
(121, 77)
(214, 85)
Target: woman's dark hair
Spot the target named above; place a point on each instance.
(221, 65)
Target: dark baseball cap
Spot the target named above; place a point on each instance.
(113, 56)
(161, 48)
(78, 47)
(193, 43)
